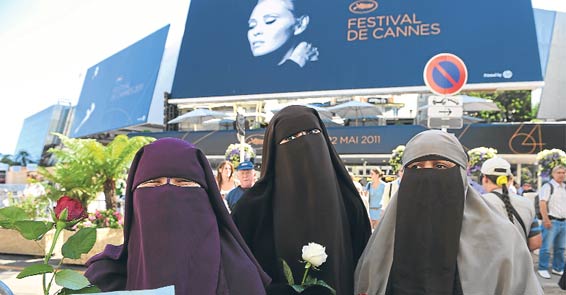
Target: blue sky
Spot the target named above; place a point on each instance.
(47, 46)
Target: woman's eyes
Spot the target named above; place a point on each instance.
(299, 134)
(181, 182)
(269, 20)
(440, 166)
(185, 183)
(252, 24)
(434, 165)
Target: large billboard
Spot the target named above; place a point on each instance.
(117, 92)
(300, 48)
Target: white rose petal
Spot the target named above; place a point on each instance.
(315, 254)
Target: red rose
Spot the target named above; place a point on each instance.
(74, 208)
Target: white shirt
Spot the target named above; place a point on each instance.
(523, 206)
(557, 204)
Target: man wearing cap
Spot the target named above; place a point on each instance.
(246, 176)
(519, 210)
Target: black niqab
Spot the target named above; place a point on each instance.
(430, 208)
(304, 195)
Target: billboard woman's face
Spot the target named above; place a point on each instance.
(271, 24)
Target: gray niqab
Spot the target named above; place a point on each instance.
(492, 255)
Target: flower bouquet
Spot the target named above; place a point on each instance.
(233, 153)
(396, 158)
(548, 159)
(477, 157)
(314, 255)
(67, 213)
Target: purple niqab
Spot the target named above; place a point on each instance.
(180, 236)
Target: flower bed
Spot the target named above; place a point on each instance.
(104, 236)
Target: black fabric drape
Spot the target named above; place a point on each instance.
(430, 207)
(304, 195)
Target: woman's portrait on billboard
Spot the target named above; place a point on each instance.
(276, 30)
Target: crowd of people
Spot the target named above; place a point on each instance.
(427, 232)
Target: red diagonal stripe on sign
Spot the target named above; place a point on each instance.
(445, 74)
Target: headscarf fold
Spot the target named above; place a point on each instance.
(304, 195)
(181, 236)
(492, 257)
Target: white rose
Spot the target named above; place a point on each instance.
(315, 254)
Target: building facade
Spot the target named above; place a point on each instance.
(36, 136)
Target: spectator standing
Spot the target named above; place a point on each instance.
(553, 210)
(246, 175)
(374, 190)
(225, 178)
(519, 210)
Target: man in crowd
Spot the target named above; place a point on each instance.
(496, 173)
(246, 175)
(553, 210)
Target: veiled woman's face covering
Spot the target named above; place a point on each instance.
(429, 217)
(166, 208)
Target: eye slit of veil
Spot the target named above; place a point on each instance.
(176, 181)
(299, 134)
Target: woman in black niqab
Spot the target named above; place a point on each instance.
(305, 195)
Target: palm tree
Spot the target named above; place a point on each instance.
(23, 158)
(85, 167)
(7, 159)
(113, 160)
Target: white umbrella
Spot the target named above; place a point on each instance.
(215, 124)
(325, 114)
(355, 110)
(478, 104)
(197, 116)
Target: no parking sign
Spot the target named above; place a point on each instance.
(445, 74)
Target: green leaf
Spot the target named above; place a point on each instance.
(298, 288)
(324, 284)
(31, 230)
(9, 215)
(71, 279)
(287, 272)
(86, 290)
(63, 215)
(310, 281)
(79, 243)
(35, 269)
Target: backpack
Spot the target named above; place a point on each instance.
(537, 200)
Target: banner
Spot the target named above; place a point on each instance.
(117, 92)
(506, 138)
(301, 48)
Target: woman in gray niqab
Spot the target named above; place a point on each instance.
(485, 254)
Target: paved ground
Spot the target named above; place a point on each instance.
(11, 265)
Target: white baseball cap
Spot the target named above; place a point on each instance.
(496, 166)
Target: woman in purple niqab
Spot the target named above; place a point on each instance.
(177, 235)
